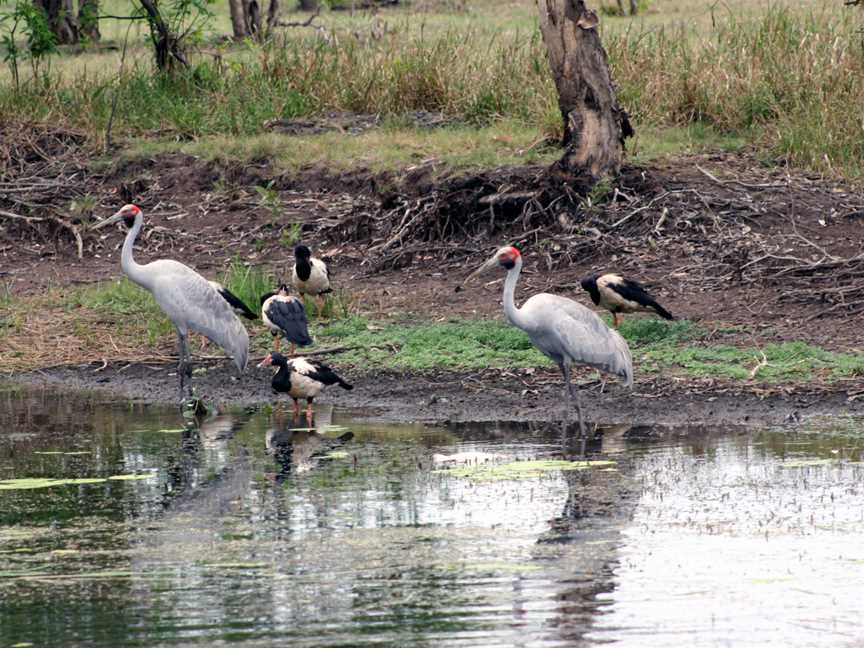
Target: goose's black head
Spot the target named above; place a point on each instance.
(302, 253)
(281, 290)
(589, 283)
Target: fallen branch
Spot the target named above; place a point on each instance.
(79, 243)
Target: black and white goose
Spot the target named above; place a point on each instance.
(285, 316)
(301, 378)
(619, 295)
(310, 276)
(236, 303)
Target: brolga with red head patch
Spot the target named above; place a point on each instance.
(565, 331)
(187, 298)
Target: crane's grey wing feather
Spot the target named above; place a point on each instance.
(568, 329)
(290, 316)
(191, 303)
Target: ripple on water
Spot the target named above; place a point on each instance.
(253, 530)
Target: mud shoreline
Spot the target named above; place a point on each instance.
(447, 396)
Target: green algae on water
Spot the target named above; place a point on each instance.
(516, 470)
(29, 483)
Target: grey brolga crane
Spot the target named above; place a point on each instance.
(564, 330)
(187, 298)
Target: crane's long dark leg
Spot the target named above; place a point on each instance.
(184, 368)
(573, 395)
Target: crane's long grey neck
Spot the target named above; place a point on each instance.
(134, 271)
(513, 314)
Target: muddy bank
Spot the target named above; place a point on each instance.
(444, 396)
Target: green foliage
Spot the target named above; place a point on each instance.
(291, 235)
(642, 331)
(25, 17)
(132, 306)
(452, 344)
(269, 198)
(780, 78)
(657, 345)
(248, 283)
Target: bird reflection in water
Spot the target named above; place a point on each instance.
(298, 444)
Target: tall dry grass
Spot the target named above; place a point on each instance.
(793, 82)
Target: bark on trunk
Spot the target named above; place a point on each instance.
(272, 16)
(61, 19)
(634, 7)
(88, 19)
(238, 19)
(595, 125)
(253, 18)
(168, 49)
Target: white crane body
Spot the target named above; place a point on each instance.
(564, 330)
(187, 298)
(563, 339)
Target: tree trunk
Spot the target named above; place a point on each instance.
(253, 17)
(88, 19)
(61, 20)
(595, 125)
(167, 46)
(238, 19)
(272, 16)
(634, 7)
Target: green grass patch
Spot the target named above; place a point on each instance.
(454, 344)
(249, 284)
(503, 142)
(652, 142)
(657, 346)
(134, 310)
(137, 315)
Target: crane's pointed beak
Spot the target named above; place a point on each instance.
(490, 263)
(115, 217)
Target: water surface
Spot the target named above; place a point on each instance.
(255, 529)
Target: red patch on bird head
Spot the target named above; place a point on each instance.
(507, 256)
(130, 212)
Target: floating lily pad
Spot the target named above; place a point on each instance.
(60, 452)
(805, 463)
(236, 565)
(336, 454)
(522, 469)
(29, 483)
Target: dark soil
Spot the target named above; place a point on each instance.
(472, 396)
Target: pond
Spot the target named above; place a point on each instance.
(123, 524)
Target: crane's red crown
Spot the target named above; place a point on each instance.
(507, 256)
(129, 212)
